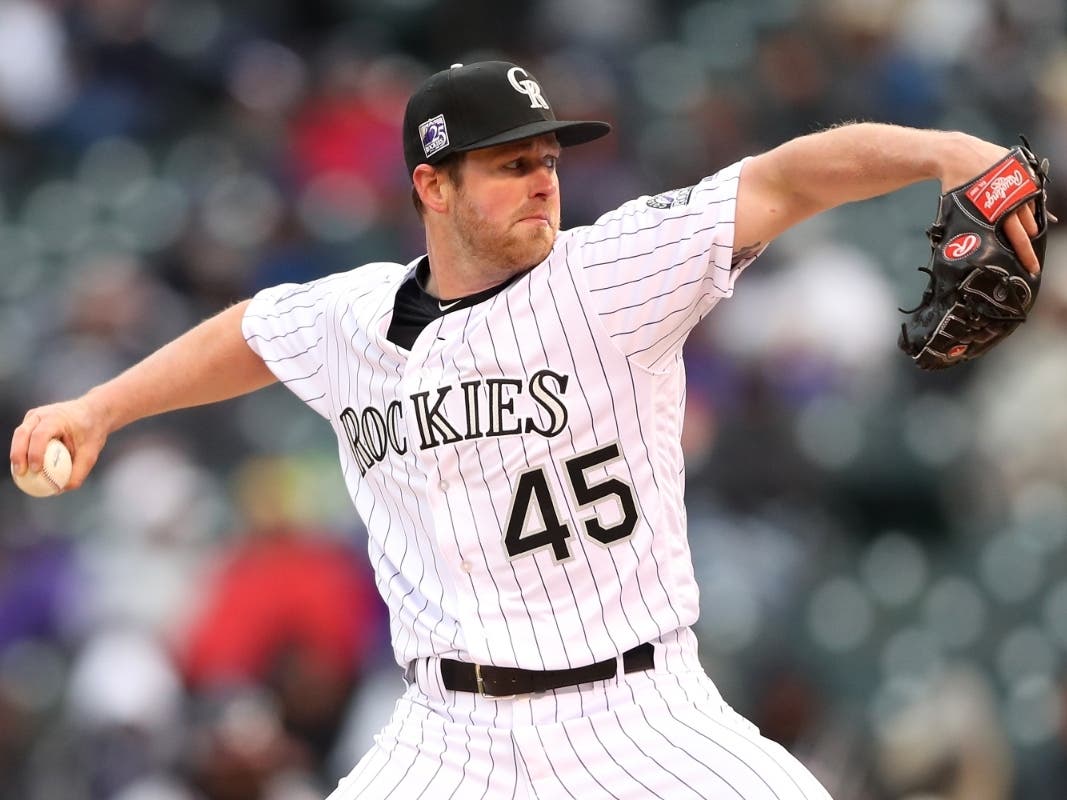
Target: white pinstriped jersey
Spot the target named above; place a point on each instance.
(519, 471)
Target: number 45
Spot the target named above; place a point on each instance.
(532, 490)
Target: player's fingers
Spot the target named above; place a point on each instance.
(1029, 221)
(20, 441)
(1020, 241)
(82, 463)
(48, 426)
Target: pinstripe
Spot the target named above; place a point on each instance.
(536, 565)
(407, 539)
(621, 765)
(645, 449)
(288, 333)
(664, 735)
(648, 276)
(642, 211)
(699, 734)
(499, 532)
(615, 417)
(588, 771)
(306, 350)
(416, 751)
(758, 743)
(640, 208)
(288, 381)
(300, 289)
(676, 338)
(481, 542)
(552, 765)
(667, 594)
(641, 752)
(373, 764)
(676, 749)
(658, 321)
(573, 607)
(657, 219)
(422, 542)
(463, 767)
(649, 254)
(281, 314)
(334, 337)
(478, 611)
(423, 546)
(700, 706)
(580, 353)
(521, 772)
(403, 516)
(589, 410)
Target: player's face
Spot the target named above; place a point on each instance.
(507, 205)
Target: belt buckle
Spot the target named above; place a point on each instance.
(481, 686)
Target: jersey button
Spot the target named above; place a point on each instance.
(443, 486)
(465, 565)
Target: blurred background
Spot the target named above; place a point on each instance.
(882, 553)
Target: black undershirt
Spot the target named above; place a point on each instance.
(414, 308)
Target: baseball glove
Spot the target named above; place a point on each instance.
(978, 291)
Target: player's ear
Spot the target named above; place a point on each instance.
(432, 186)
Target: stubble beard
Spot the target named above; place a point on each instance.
(503, 253)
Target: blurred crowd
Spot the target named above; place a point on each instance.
(881, 552)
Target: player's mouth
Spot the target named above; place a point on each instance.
(538, 219)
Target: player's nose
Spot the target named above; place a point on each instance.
(543, 182)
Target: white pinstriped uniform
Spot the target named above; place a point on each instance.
(521, 478)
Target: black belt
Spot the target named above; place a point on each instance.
(462, 676)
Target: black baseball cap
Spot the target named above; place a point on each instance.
(480, 105)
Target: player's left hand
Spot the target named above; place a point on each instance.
(987, 245)
(972, 156)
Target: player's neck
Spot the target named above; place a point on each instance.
(454, 274)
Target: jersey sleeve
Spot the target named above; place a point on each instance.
(656, 265)
(286, 326)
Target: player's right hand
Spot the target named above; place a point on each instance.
(76, 423)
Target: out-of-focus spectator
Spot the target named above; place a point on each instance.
(144, 560)
(38, 588)
(160, 159)
(125, 705)
(1046, 780)
(35, 78)
(946, 745)
(289, 608)
(238, 748)
(1023, 433)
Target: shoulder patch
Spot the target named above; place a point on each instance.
(675, 197)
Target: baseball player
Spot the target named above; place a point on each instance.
(507, 411)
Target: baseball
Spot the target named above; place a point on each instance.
(54, 473)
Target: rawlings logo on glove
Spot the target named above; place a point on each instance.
(978, 292)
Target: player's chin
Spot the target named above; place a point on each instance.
(526, 248)
(538, 249)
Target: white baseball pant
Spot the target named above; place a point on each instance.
(662, 733)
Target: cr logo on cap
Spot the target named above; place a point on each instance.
(528, 87)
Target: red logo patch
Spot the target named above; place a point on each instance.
(1001, 188)
(961, 246)
(957, 351)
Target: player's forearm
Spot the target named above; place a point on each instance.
(853, 162)
(859, 161)
(209, 363)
